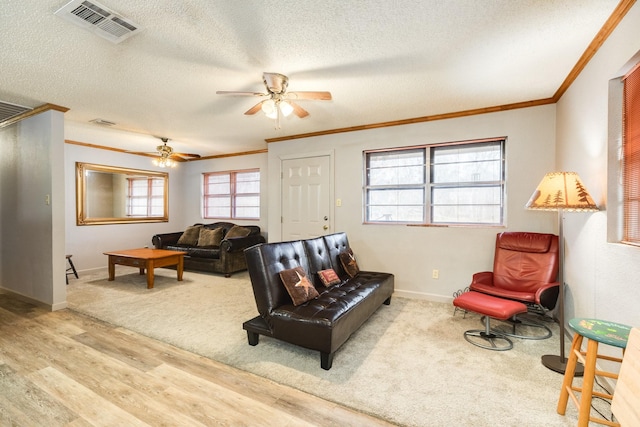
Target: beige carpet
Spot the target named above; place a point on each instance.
(409, 364)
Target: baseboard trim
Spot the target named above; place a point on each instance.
(50, 307)
(422, 295)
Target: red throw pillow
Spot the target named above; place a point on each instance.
(299, 288)
(329, 277)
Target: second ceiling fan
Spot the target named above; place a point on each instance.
(278, 101)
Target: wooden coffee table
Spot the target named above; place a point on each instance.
(146, 259)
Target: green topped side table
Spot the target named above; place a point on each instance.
(596, 331)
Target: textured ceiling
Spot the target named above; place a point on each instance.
(381, 61)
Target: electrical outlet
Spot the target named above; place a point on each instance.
(435, 274)
(338, 202)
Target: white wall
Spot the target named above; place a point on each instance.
(411, 253)
(602, 277)
(32, 198)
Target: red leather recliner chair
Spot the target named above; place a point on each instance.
(525, 269)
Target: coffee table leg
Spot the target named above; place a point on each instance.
(180, 267)
(112, 268)
(150, 277)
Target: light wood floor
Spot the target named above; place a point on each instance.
(66, 369)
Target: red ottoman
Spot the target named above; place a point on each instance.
(490, 307)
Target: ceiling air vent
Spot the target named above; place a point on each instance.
(8, 111)
(95, 17)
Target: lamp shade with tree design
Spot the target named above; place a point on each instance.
(562, 190)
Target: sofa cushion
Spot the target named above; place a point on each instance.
(196, 251)
(349, 263)
(298, 286)
(190, 235)
(237, 231)
(328, 277)
(209, 237)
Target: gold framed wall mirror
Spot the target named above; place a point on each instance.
(115, 195)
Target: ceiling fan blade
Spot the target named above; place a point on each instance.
(186, 156)
(141, 153)
(254, 109)
(323, 96)
(275, 82)
(298, 110)
(230, 92)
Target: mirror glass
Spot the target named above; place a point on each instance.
(114, 195)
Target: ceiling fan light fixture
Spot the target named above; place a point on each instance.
(164, 162)
(285, 108)
(270, 109)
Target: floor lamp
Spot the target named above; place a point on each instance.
(561, 191)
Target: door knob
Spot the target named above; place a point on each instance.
(326, 227)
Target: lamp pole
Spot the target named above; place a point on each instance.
(554, 362)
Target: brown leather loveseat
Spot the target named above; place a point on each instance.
(225, 254)
(326, 321)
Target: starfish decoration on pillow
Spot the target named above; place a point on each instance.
(303, 282)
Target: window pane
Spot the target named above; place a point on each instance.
(466, 195)
(396, 196)
(397, 176)
(248, 187)
(396, 205)
(247, 176)
(248, 212)
(469, 214)
(396, 167)
(396, 213)
(467, 172)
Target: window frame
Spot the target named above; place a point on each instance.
(428, 185)
(232, 196)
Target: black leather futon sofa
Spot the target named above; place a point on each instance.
(326, 321)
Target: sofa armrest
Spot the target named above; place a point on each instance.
(236, 244)
(161, 240)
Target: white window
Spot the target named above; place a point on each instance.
(232, 195)
(145, 197)
(457, 183)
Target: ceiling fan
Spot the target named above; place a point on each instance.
(166, 157)
(278, 101)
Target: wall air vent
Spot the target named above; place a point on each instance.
(97, 18)
(8, 110)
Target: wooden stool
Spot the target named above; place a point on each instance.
(71, 268)
(596, 331)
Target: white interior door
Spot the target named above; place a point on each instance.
(306, 198)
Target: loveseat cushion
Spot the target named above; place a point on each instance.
(197, 251)
(190, 235)
(210, 237)
(237, 231)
